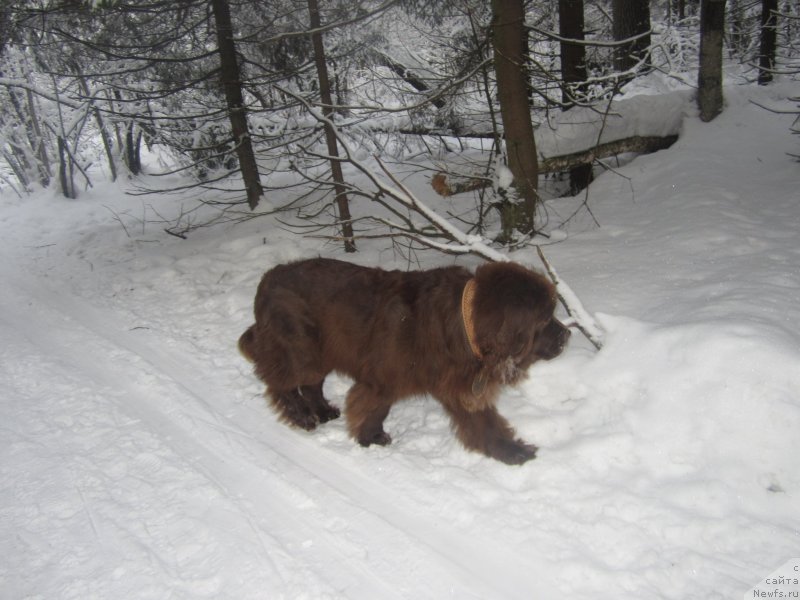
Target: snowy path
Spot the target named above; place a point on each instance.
(271, 489)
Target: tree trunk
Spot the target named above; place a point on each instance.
(573, 56)
(231, 79)
(330, 135)
(101, 128)
(509, 42)
(132, 149)
(19, 172)
(573, 73)
(709, 78)
(65, 170)
(5, 27)
(631, 18)
(25, 151)
(769, 31)
(40, 149)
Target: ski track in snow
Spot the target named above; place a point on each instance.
(221, 452)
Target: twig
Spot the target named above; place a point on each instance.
(118, 220)
(175, 233)
(574, 307)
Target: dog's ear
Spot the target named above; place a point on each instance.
(510, 304)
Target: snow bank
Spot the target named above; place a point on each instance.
(659, 115)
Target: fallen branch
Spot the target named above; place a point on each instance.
(638, 144)
(574, 307)
(448, 184)
(407, 75)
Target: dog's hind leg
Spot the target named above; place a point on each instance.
(286, 352)
(366, 410)
(319, 404)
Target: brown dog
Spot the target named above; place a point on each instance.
(442, 332)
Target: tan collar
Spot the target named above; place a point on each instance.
(467, 318)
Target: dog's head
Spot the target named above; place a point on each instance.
(514, 323)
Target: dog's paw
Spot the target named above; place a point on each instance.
(380, 438)
(513, 452)
(328, 413)
(307, 421)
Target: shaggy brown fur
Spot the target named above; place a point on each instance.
(400, 334)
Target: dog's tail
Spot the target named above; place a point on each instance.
(246, 342)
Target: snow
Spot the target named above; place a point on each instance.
(139, 459)
(645, 115)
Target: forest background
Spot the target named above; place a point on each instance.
(253, 107)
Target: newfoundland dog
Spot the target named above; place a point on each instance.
(445, 332)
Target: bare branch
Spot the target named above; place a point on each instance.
(574, 307)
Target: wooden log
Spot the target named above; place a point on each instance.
(448, 184)
(637, 144)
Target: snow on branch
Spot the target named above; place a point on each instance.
(451, 239)
(574, 307)
(25, 85)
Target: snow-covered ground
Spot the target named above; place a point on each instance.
(140, 460)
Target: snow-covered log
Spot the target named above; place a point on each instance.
(642, 116)
(449, 184)
(643, 123)
(639, 144)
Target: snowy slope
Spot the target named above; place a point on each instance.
(140, 460)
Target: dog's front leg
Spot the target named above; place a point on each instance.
(488, 432)
(366, 409)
